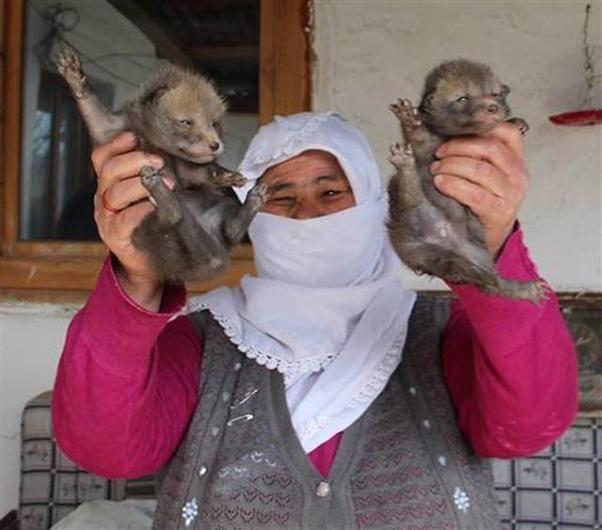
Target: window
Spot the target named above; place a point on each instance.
(255, 50)
(57, 178)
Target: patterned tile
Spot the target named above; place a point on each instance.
(577, 475)
(534, 504)
(576, 508)
(558, 488)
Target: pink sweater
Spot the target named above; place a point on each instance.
(128, 378)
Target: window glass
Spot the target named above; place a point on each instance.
(121, 43)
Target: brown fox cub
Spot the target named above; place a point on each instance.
(178, 115)
(433, 233)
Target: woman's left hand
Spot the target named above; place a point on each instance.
(489, 175)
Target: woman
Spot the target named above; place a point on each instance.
(306, 359)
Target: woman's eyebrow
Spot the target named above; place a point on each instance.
(280, 186)
(330, 178)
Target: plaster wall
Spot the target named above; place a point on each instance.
(367, 54)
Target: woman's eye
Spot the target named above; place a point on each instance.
(335, 194)
(281, 200)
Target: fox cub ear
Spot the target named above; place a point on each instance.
(427, 103)
(153, 95)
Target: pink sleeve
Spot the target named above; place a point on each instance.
(510, 366)
(127, 382)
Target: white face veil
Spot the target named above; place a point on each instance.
(327, 308)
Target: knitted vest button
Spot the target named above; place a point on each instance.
(323, 489)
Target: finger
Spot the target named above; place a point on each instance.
(120, 143)
(117, 230)
(126, 165)
(510, 134)
(477, 171)
(488, 148)
(484, 204)
(127, 220)
(123, 193)
(104, 211)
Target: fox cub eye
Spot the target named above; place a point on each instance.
(462, 99)
(185, 122)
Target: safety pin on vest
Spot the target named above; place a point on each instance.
(246, 398)
(244, 417)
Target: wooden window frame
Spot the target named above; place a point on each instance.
(42, 266)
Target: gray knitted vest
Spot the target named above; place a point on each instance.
(402, 465)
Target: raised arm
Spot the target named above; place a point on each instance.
(510, 366)
(127, 382)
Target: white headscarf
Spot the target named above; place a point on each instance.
(327, 309)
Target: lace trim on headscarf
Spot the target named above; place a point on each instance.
(370, 391)
(288, 368)
(301, 138)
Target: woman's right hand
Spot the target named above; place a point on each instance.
(120, 204)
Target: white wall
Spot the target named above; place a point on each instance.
(370, 53)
